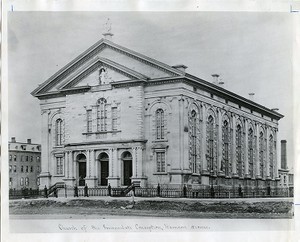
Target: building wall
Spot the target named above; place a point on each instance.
(24, 165)
(177, 101)
(136, 133)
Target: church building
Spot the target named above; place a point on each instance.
(115, 116)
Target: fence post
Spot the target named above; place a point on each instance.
(184, 190)
(158, 190)
(46, 192)
(240, 191)
(75, 191)
(109, 189)
(86, 191)
(212, 192)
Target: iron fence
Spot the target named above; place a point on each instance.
(217, 191)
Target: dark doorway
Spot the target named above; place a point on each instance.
(127, 168)
(103, 158)
(81, 169)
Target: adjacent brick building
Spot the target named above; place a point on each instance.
(115, 116)
(24, 164)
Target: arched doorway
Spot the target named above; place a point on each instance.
(81, 159)
(127, 168)
(103, 159)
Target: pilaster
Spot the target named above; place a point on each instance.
(234, 170)
(246, 150)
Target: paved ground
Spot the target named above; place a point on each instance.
(108, 207)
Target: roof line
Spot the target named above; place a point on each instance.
(233, 95)
(93, 47)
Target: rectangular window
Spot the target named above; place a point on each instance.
(15, 168)
(160, 160)
(38, 159)
(22, 181)
(10, 157)
(26, 168)
(31, 158)
(10, 181)
(38, 169)
(26, 181)
(114, 117)
(15, 158)
(31, 169)
(59, 166)
(89, 120)
(26, 157)
(10, 168)
(22, 169)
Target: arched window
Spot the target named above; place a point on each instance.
(159, 117)
(271, 156)
(239, 150)
(261, 154)
(251, 151)
(58, 131)
(226, 138)
(101, 115)
(210, 142)
(193, 140)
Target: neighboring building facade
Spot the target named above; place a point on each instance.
(114, 116)
(24, 164)
(285, 176)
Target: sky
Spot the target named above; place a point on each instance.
(252, 52)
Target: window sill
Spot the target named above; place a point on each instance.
(160, 173)
(159, 140)
(102, 132)
(59, 175)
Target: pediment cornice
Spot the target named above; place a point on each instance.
(93, 51)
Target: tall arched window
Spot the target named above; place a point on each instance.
(225, 138)
(58, 131)
(159, 118)
(239, 150)
(210, 142)
(101, 115)
(261, 154)
(271, 156)
(193, 140)
(251, 151)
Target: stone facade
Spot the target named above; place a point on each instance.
(24, 164)
(113, 116)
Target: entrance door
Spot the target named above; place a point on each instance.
(82, 173)
(127, 172)
(104, 173)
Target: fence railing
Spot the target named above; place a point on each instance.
(217, 191)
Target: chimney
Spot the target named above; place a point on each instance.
(215, 79)
(251, 96)
(13, 139)
(180, 67)
(28, 141)
(283, 155)
(275, 109)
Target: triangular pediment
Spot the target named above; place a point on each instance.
(97, 71)
(119, 63)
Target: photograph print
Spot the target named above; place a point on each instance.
(150, 115)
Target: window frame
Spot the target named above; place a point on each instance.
(160, 159)
(159, 124)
